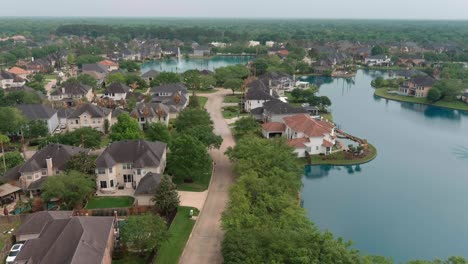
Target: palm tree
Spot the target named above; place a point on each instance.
(4, 139)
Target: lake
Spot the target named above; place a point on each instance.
(411, 202)
(179, 66)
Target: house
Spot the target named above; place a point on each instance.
(308, 136)
(280, 51)
(275, 110)
(147, 113)
(39, 65)
(109, 65)
(63, 114)
(407, 74)
(278, 81)
(62, 238)
(115, 114)
(39, 112)
(171, 51)
(150, 75)
(412, 61)
(72, 92)
(175, 96)
(33, 224)
(270, 43)
(124, 164)
(202, 51)
(117, 91)
(378, 60)
(48, 161)
(253, 43)
(257, 94)
(129, 55)
(89, 115)
(98, 71)
(8, 79)
(464, 96)
(218, 44)
(417, 86)
(22, 73)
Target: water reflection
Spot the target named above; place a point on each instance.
(181, 65)
(461, 152)
(321, 171)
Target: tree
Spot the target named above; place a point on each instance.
(73, 188)
(86, 59)
(135, 81)
(82, 163)
(205, 135)
(129, 65)
(192, 78)
(197, 123)
(378, 50)
(233, 84)
(126, 128)
(260, 66)
(165, 78)
(144, 232)
(193, 102)
(11, 159)
(449, 89)
(158, 132)
(70, 58)
(207, 81)
(188, 159)
(91, 138)
(433, 95)
(36, 129)
(230, 72)
(87, 79)
(11, 120)
(4, 139)
(246, 126)
(166, 198)
(117, 77)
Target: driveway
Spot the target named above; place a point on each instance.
(48, 87)
(204, 244)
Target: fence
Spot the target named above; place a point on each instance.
(126, 211)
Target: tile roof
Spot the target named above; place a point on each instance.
(274, 127)
(297, 142)
(18, 71)
(140, 153)
(108, 63)
(327, 143)
(36, 111)
(94, 110)
(307, 125)
(148, 184)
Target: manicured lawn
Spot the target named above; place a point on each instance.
(131, 259)
(202, 100)
(231, 112)
(110, 202)
(6, 227)
(457, 105)
(197, 186)
(105, 140)
(50, 77)
(180, 230)
(232, 98)
(338, 158)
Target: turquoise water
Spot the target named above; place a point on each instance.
(411, 202)
(179, 66)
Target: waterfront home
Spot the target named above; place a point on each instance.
(257, 94)
(43, 113)
(408, 74)
(117, 91)
(412, 61)
(280, 51)
(417, 86)
(89, 115)
(130, 163)
(378, 60)
(307, 135)
(48, 161)
(148, 113)
(275, 110)
(253, 43)
(202, 51)
(60, 237)
(19, 72)
(279, 82)
(8, 79)
(218, 44)
(150, 75)
(464, 96)
(69, 93)
(270, 43)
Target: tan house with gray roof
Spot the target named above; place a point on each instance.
(89, 115)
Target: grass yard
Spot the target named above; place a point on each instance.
(232, 98)
(131, 258)
(197, 186)
(328, 116)
(110, 202)
(105, 141)
(457, 105)
(50, 76)
(6, 227)
(202, 100)
(339, 159)
(231, 112)
(180, 230)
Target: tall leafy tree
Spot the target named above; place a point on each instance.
(36, 129)
(82, 163)
(3, 140)
(144, 232)
(126, 128)
(11, 159)
(166, 199)
(165, 78)
(246, 126)
(11, 120)
(158, 132)
(233, 84)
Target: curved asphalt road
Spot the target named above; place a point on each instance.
(204, 244)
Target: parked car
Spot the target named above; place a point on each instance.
(14, 251)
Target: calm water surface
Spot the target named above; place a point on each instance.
(411, 202)
(176, 65)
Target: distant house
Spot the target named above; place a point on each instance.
(170, 51)
(48, 161)
(150, 75)
(280, 51)
(59, 237)
(253, 43)
(72, 92)
(127, 163)
(117, 91)
(89, 115)
(306, 134)
(129, 55)
(417, 86)
(407, 74)
(98, 71)
(201, 51)
(39, 112)
(270, 43)
(218, 44)
(19, 72)
(8, 79)
(39, 65)
(378, 60)
(147, 113)
(464, 96)
(278, 81)
(412, 61)
(109, 65)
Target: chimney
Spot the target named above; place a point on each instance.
(271, 92)
(50, 169)
(269, 83)
(63, 90)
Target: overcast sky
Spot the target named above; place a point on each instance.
(385, 9)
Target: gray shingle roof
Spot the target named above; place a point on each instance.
(148, 184)
(94, 67)
(64, 112)
(257, 90)
(34, 223)
(423, 80)
(36, 111)
(150, 110)
(117, 88)
(140, 153)
(72, 89)
(37, 184)
(94, 110)
(278, 107)
(170, 101)
(150, 74)
(77, 240)
(170, 88)
(117, 112)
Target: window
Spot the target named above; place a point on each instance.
(142, 119)
(111, 183)
(44, 172)
(127, 166)
(128, 178)
(138, 171)
(110, 170)
(57, 172)
(101, 171)
(29, 177)
(103, 184)
(316, 148)
(76, 121)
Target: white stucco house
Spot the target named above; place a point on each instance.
(378, 60)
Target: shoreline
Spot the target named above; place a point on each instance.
(382, 93)
(342, 162)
